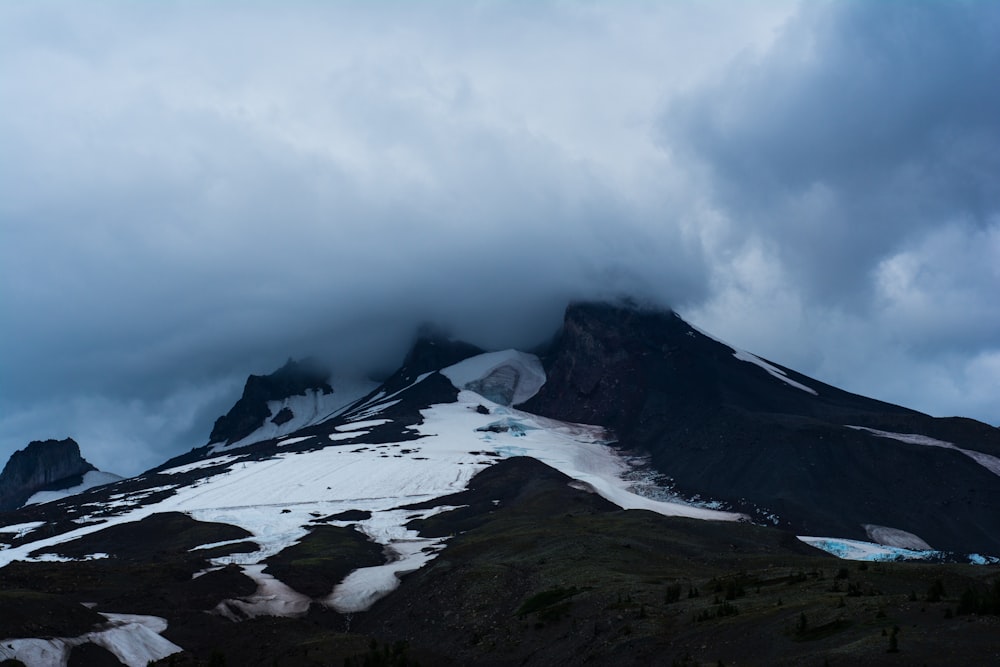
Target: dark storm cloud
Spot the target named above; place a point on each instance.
(867, 126)
(191, 193)
(857, 167)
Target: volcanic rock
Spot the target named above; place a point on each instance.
(41, 466)
(726, 424)
(294, 378)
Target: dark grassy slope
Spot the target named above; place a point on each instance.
(167, 533)
(553, 575)
(546, 575)
(148, 570)
(321, 559)
(728, 429)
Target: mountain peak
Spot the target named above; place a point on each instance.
(249, 413)
(42, 465)
(434, 349)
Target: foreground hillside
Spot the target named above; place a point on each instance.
(549, 575)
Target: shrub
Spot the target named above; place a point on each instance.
(936, 591)
(545, 599)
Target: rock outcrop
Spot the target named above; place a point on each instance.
(41, 466)
(250, 412)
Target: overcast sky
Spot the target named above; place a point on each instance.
(191, 192)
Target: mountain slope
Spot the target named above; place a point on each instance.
(724, 423)
(497, 506)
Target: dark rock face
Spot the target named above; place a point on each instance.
(283, 417)
(41, 466)
(731, 430)
(249, 413)
(92, 655)
(433, 351)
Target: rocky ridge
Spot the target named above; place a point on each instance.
(41, 466)
(251, 410)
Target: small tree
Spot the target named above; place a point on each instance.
(893, 640)
(936, 591)
(802, 624)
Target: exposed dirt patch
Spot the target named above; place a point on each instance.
(149, 539)
(321, 559)
(28, 614)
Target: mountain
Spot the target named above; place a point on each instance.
(729, 425)
(639, 493)
(252, 410)
(45, 470)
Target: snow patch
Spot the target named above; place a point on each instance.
(292, 441)
(991, 463)
(743, 355)
(508, 372)
(56, 558)
(366, 424)
(381, 401)
(91, 479)
(579, 451)
(272, 598)
(751, 358)
(978, 559)
(22, 529)
(135, 640)
(867, 551)
(196, 465)
(373, 410)
(350, 435)
(894, 537)
(407, 550)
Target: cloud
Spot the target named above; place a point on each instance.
(937, 292)
(864, 126)
(190, 194)
(854, 173)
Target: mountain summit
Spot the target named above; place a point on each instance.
(250, 412)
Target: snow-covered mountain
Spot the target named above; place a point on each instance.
(314, 494)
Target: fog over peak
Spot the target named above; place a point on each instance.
(191, 193)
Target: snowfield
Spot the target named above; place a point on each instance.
(521, 372)
(866, 551)
(870, 551)
(135, 640)
(276, 498)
